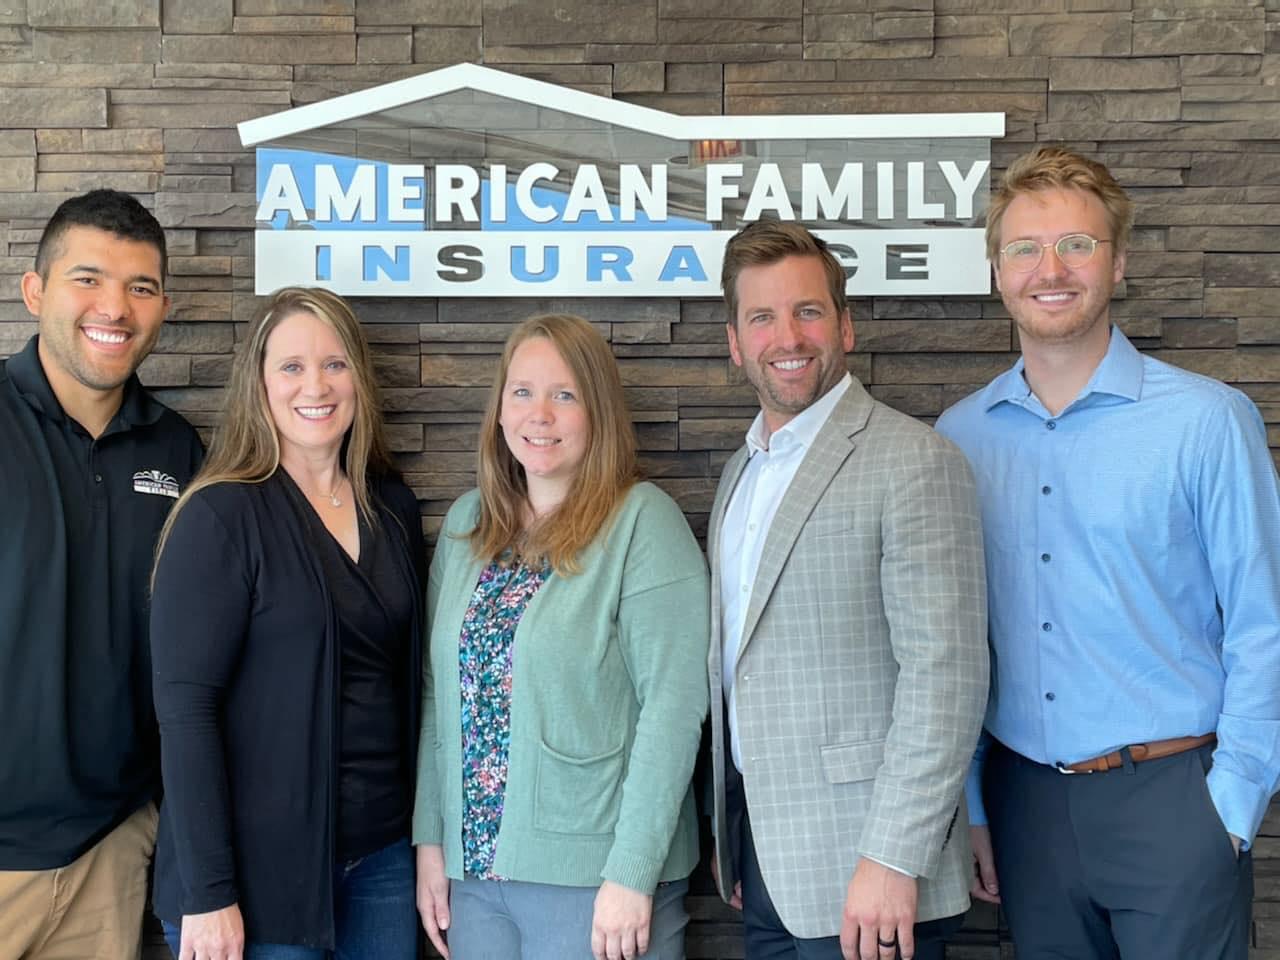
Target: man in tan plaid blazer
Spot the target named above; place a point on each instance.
(849, 657)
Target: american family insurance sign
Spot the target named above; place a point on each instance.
(472, 182)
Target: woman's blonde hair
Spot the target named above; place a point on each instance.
(608, 467)
(246, 446)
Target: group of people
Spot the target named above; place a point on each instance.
(1083, 559)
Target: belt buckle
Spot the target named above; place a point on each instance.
(1066, 771)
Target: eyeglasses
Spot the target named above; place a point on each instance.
(1074, 250)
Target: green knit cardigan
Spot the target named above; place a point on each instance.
(609, 691)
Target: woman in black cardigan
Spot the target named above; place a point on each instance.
(285, 627)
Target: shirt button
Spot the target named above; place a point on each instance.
(1049, 696)
(97, 478)
(1046, 490)
(1047, 627)
(1051, 425)
(1045, 557)
(745, 588)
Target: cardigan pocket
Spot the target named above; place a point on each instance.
(577, 795)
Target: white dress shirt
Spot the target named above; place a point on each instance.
(771, 466)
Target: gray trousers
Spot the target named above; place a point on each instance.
(1133, 863)
(509, 920)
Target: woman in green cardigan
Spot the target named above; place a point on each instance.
(566, 682)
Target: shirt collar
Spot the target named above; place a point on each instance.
(801, 429)
(1119, 374)
(137, 408)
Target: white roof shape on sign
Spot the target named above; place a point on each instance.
(470, 76)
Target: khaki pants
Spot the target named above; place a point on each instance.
(91, 909)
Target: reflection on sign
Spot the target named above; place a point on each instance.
(705, 151)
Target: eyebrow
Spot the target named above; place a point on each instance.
(1036, 239)
(567, 384)
(812, 302)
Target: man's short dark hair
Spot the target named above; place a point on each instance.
(108, 210)
(765, 242)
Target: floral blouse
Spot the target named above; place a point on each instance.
(484, 660)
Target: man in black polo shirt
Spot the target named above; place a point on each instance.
(89, 467)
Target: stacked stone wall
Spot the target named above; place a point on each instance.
(1181, 98)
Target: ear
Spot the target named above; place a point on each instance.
(995, 272)
(1117, 266)
(846, 330)
(735, 350)
(32, 292)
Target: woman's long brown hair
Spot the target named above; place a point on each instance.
(608, 468)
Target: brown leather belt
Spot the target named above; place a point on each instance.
(1138, 752)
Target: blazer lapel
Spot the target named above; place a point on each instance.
(831, 447)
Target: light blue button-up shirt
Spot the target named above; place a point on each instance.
(1133, 569)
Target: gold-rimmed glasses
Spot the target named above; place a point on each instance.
(1074, 250)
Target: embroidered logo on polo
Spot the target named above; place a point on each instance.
(156, 482)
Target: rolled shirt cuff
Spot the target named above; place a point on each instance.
(1240, 803)
(905, 873)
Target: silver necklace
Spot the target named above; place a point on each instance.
(332, 495)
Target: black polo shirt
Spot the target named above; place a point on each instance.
(79, 517)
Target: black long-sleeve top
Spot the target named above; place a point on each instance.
(247, 659)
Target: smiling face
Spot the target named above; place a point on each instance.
(310, 390)
(543, 420)
(1054, 303)
(788, 337)
(100, 308)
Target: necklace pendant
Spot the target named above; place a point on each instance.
(335, 500)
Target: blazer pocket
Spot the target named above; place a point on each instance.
(825, 536)
(577, 795)
(851, 762)
(842, 524)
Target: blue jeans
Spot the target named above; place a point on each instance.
(374, 913)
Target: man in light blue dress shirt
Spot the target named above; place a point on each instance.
(1132, 529)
